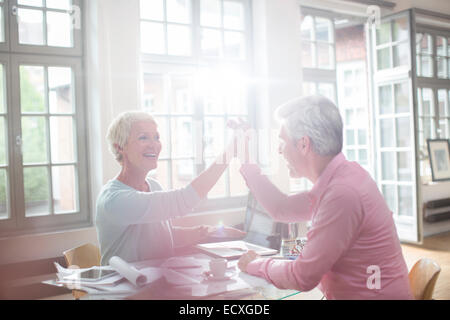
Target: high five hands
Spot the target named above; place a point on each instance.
(240, 146)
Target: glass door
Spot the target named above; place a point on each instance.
(394, 118)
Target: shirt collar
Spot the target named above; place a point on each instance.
(325, 177)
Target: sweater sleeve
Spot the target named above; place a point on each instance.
(128, 206)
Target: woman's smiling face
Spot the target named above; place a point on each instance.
(143, 146)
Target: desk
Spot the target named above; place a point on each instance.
(253, 288)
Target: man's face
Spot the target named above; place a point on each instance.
(291, 153)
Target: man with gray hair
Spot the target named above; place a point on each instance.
(352, 232)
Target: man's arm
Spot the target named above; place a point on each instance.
(333, 229)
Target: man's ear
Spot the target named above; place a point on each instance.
(303, 144)
(118, 148)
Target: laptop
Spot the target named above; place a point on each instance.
(263, 235)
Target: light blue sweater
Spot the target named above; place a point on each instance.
(135, 225)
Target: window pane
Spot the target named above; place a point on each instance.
(182, 173)
(182, 137)
(404, 166)
(214, 136)
(424, 43)
(182, 95)
(405, 200)
(32, 86)
(4, 214)
(325, 56)
(233, 15)
(235, 102)
(211, 42)
(427, 102)
(178, 40)
(383, 33)
(36, 183)
(3, 142)
(152, 38)
(59, 29)
(442, 101)
(58, 4)
(64, 189)
(403, 132)
(213, 100)
(35, 3)
(387, 165)
(387, 132)
(349, 137)
(400, 30)
(34, 140)
(307, 54)
(401, 91)
(210, 13)
(442, 68)
(179, 11)
(161, 174)
(307, 28)
(60, 96)
(2, 90)
(309, 88)
(152, 9)
(385, 99)
(31, 26)
(401, 55)
(324, 30)
(62, 141)
(234, 45)
(349, 117)
(163, 131)
(389, 195)
(2, 30)
(441, 46)
(426, 66)
(362, 137)
(362, 156)
(153, 97)
(327, 90)
(383, 58)
(351, 155)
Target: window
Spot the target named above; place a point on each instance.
(333, 63)
(42, 118)
(195, 61)
(392, 44)
(433, 90)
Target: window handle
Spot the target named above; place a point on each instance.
(14, 10)
(19, 143)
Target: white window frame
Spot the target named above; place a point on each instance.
(12, 56)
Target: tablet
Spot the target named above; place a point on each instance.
(95, 274)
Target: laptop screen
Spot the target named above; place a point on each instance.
(260, 227)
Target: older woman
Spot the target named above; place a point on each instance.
(133, 212)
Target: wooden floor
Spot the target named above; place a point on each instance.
(436, 248)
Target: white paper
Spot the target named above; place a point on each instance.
(128, 272)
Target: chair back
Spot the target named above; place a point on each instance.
(423, 277)
(85, 256)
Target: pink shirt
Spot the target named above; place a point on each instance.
(352, 251)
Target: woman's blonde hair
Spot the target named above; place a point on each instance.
(120, 127)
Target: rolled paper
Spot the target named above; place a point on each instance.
(127, 271)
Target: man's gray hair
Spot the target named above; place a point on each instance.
(316, 117)
(119, 130)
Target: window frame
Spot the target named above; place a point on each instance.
(195, 62)
(15, 46)
(18, 223)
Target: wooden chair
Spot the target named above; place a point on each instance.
(85, 256)
(423, 277)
